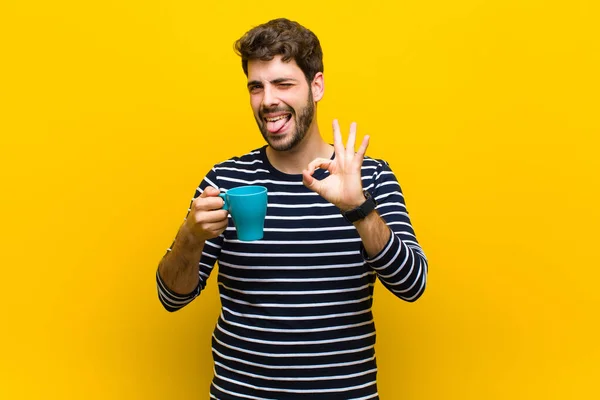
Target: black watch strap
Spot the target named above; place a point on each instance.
(360, 212)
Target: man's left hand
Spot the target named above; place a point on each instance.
(343, 186)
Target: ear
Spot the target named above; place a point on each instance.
(318, 87)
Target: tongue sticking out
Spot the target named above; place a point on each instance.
(274, 127)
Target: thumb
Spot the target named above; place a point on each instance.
(310, 182)
(210, 191)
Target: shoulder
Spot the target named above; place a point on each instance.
(254, 157)
(378, 177)
(372, 166)
(249, 165)
(251, 162)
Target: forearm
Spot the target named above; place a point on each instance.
(179, 267)
(373, 232)
(400, 265)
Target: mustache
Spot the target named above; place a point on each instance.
(264, 110)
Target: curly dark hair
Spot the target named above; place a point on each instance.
(282, 37)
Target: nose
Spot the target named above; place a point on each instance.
(269, 97)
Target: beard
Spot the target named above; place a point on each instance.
(303, 119)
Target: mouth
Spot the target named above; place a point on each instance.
(277, 123)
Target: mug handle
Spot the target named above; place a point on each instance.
(225, 206)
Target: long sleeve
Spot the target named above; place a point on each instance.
(401, 265)
(210, 253)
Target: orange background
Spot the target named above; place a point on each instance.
(111, 112)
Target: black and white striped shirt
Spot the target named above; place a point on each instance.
(296, 319)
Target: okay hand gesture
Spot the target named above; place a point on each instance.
(343, 186)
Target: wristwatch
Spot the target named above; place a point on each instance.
(358, 213)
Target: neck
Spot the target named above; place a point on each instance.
(294, 161)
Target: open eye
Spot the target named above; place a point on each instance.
(254, 88)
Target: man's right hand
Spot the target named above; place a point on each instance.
(206, 219)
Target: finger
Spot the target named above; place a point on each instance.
(360, 154)
(210, 191)
(307, 178)
(217, 216)
(323, 163)
(311, 183)
(218, 226)
(351, 139)
(210, 217)
(338, 146)
(215, 229)
(207, 203)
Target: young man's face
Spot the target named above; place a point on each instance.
(282, 101)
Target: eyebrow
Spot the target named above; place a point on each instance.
(274, 81)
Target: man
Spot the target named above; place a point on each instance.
(296, 317)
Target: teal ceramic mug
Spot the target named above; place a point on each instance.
(248, 208)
